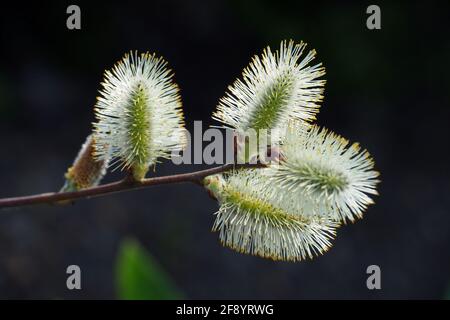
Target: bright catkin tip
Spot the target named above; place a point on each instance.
(138, 114)
(253, 220)
(276, 87)
(319, 165)
(86, 171)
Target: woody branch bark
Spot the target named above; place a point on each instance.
(119, 186)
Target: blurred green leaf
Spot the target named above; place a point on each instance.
(140, 277)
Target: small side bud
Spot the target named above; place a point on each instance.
(86, 171)
(214, 185)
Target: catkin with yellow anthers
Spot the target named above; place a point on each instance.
(254, 220)
(275, 88)
(139, 114)
(86, 171)
(319, 165)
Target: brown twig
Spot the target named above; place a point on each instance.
(119, 186)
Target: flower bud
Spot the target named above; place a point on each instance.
(86, 171)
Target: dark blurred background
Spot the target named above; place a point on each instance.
(387, 89)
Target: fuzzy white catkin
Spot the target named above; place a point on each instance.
(138, 113)
(337, 178)
(253, 220)
(288, 211)
(275, 88)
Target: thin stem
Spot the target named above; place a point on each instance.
(119, 186)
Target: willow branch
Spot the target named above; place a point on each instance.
(119, 186)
